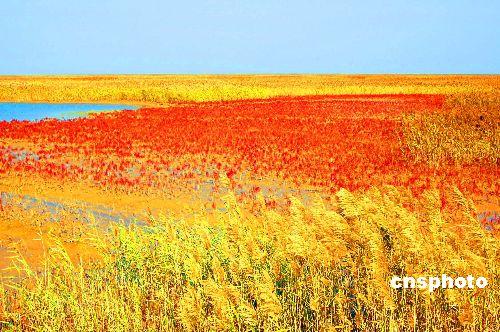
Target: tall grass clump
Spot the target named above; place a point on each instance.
(320, 267)
(465, 132)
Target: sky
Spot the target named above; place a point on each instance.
(254, 36)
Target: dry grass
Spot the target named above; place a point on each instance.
(321, 267)
(465, 132)
(162, 89)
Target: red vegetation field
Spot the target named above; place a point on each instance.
(322, 141)
(127, 220)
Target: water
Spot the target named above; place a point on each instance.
(39, 111)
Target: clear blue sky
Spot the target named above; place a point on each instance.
(254, 36)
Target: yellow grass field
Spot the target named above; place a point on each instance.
(162, 89)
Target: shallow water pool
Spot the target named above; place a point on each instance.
(39, 111)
